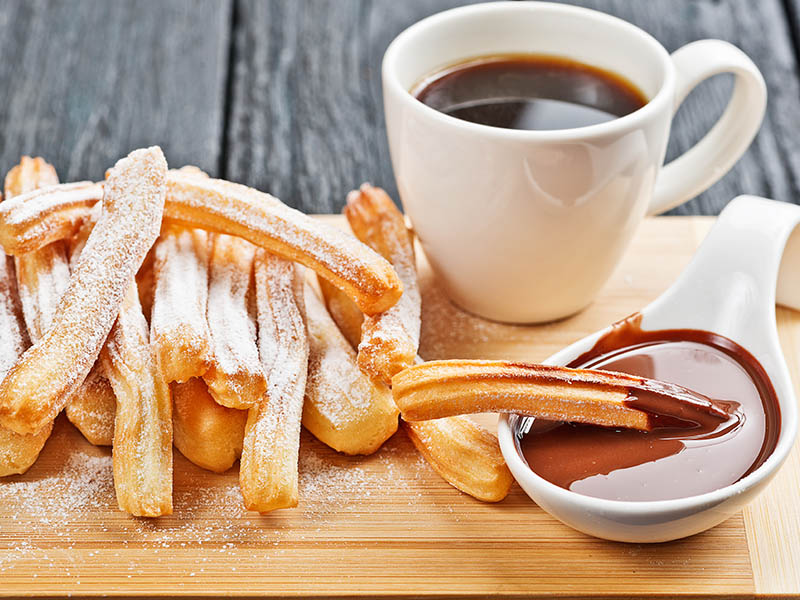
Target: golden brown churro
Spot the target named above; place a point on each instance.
(143, 424)
(268, 469)
(465, 454)
(208, 434)
(178, 325)
(46, 215)
(42, 275)
(389, 340)
(446, 388)
(17, 451)
(39, 385)
(92, 407)
(224, 207)
(344, 311)
(41, 278)
(236, 378)
(344, 408)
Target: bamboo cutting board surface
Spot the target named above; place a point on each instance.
(387, 525)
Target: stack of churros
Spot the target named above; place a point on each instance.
(165, 308)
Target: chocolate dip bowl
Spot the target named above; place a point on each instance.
(748, 261)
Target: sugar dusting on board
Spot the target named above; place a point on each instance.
(76, 504)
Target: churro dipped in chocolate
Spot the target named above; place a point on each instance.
(446, 388)
(235, 378)
(207, 433)
(389, 340)
(268, 468)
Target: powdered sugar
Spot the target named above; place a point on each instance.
(236, 378)
(49, 372)
(179, 328)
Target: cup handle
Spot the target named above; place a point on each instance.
(713, 156)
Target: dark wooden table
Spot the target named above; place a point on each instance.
(284, 95)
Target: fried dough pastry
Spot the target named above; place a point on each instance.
(223, 207)
(235, 378)
(446, 388)
(344, 312)
(178, 325)
(389, 340)
(41, 278)
(143, 425)
(39, 385)
(344, 408)
(268, 468)
(92, 407)
(17, 451)
(42, 275)
(465, 454)
(42, 216)
(208, 434)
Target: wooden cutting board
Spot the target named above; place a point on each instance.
(387, 525)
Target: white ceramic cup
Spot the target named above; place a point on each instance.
(526, 226)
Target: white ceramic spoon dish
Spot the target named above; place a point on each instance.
(748, 260)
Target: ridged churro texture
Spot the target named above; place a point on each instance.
(222, 207)
(39, 385)
(178, 324)
(143, 424)
(389, 340)
(268, 470)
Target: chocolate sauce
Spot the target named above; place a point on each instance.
(672, 461)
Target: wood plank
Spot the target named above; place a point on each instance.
(85, 83)
(377, 526)
(306, 118)
(772, 523)
(771, 167)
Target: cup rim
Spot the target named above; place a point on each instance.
(654, 105)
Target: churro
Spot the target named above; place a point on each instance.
(465, 454)
(39, 385)
(42, 216)
(235, 378)
(17, 451)
(344, 408)
(268, 468)
(344, 311)
(207, 433)
(143, 424)
(389, 340)
(178, 325)
(42, 275)
(224, 207)
(92, 407)
(446, 388)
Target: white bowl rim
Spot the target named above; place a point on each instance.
(763, 472)
(652, 108)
